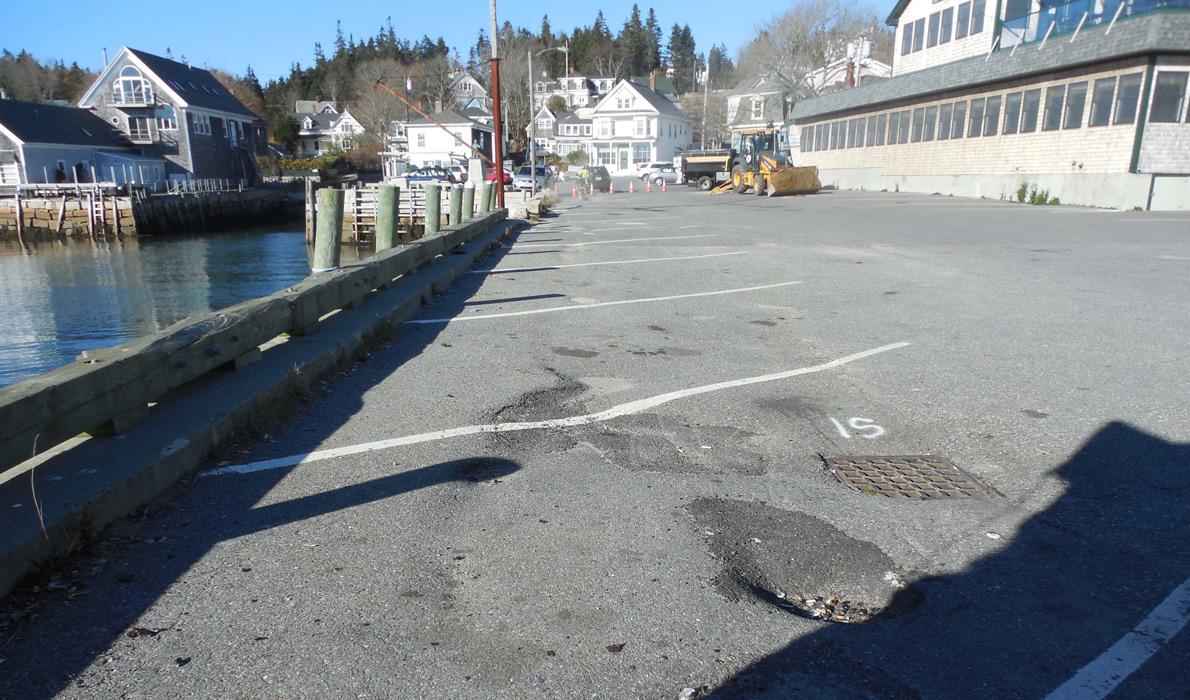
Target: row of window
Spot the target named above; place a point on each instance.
(965, 20)
(1113, 101)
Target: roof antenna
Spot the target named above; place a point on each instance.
(105, 56)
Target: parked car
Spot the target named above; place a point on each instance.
(601, 178)
(458, 173)
(427, 173)
(644, 170)
(666, 174)
(491, 176)
(523, 180)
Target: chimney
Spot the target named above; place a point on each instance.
(850, 73)
(105, 56)
(653, 79)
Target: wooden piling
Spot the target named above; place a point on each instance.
(468, 201)
(456, 205)
(433, 208)
(481, 196)
(388, 216)
(328, 236)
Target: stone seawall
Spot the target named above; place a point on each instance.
(89, 215)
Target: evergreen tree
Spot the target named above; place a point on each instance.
(682, 58)
(653, 28)
(633, 44)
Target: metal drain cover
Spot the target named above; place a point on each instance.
(913, 476)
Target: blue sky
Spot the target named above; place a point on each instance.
(269, 36)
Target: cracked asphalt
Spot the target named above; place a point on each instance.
(685, 540)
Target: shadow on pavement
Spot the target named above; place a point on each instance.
(48, 637)
(1071, 582)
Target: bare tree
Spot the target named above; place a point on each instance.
(805, 38)
(433, 82)
(377, 109)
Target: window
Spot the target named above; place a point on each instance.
(347, 145)
(975, 124)
(977, 16)
(202, 124)
(131, 87)
(931, 122)
(919, 117)
(605, 128)
(640, 152)
(640, 127)
(1169, 94)
(1029, 108)
(836, 135)
(881, 129)
(757, 108)
(947, 22)
(944, 117)
(138, 129)
(903, 132)
(963, 21)
(932, 36)
(1012, 112)
(907, 38)
(870, 132)
(1054, 96)
(166, 118)
(421, 139)
(1076, 99)
(991, 116)
(1126, 98)
(807, 139)
(861, 132)
(624, 102)
(919, 34)
(959, 120)
(1101, 99)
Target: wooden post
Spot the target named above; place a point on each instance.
(20, 220)
(388, 216)
(61, 216)
(481, 198)
(456, 205)
(327, 238)
(116, 213)
(310, 211)
(433, 208)
(493, 197)
(468, 201)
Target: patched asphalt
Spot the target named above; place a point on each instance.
(689, 545)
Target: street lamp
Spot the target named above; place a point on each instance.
(533, 114)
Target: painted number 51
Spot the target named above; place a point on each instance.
(863, 427)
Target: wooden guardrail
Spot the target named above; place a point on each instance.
(104, 387)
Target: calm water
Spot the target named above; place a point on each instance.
(60, 298)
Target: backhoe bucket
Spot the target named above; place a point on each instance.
(793, 180)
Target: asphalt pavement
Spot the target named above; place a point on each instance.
(595, 467)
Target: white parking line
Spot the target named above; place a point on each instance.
(618, 240)
(576, 307)
(1109, 669)
(623, 409)
(500, 270)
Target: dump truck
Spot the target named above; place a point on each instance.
(706, 168)
(759, 166)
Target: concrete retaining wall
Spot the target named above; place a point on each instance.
(1107, 190)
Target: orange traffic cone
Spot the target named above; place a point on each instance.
(611, 188)
(592, 188)
(664, 188)
(631, 187)
(649, 186)
(573, 191)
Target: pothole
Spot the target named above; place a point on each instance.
(799, 563)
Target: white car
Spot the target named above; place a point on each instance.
(644, 170)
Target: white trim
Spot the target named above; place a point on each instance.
(10, 136)
(103, 78)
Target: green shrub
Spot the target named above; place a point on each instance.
(1022, 192)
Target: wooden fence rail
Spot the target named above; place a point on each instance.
(104, 387)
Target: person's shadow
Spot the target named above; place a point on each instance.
(1069, 584)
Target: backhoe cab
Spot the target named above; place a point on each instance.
(760, 166)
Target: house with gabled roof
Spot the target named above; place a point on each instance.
(437, 142)
(41, 143)
(634, 124)
(180, 113)
(323, 128)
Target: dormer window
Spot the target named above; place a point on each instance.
(757, 107)
(308, 123)
(131, 88)
(624, 102)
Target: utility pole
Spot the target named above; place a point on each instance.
(706, 96)
(532, 132)
(497, 130)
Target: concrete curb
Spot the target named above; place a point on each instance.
(81, 490)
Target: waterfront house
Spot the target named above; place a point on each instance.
(323, 128)
(431, 145)
(180, 113)
(578, 91)
(468, 92)
(561, 132)
(1085, 101)
(41, 143)
(633, 124)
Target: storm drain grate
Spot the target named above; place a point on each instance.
(915, 476)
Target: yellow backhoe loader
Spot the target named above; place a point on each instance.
(758, 169)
